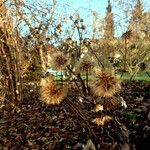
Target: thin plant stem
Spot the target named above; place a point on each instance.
(100, 63)
(82, 83)
(76, 83)
(79, 112)
(87, 78)
(147, 73)
(62, 78)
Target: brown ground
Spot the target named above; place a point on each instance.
(36, 126)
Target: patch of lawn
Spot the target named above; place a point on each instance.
(139, 76)
(126, 76)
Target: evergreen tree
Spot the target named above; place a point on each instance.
(138, 12)
(109, 23)
(136, 20)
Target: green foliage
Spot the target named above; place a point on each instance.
(132, 116)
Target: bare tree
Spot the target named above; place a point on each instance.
(10, 59)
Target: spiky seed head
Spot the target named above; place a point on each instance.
(50, 93)
(52, 96)
(85, 65)
(102, 121)
(98, 108)
(47, 80)
(106, 84)
(59, 61)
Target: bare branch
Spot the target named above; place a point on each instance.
(51, 17)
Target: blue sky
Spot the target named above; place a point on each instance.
(95, 5)
(86, 7)
(83, 6)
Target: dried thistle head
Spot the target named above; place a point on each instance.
(98, 108)
(102, 121)
(85, 65)
(106, 84)
(47, 80)
(50, 93)
(59, 61)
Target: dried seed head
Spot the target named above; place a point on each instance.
(87, 41)
(71, 17)
(83, 27)
(81, 20)
(85, 65)
(106, 85)
(102, 121)
(98, 108)
(47, 80)
(50, 93)
(59, 61)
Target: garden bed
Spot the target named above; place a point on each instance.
(33, 125)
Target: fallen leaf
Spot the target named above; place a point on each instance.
(89, 145)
